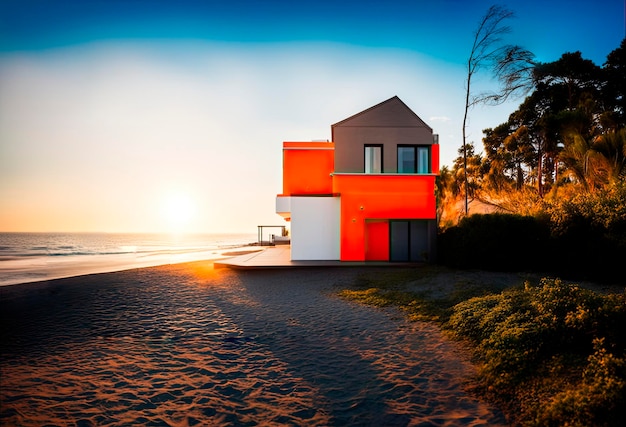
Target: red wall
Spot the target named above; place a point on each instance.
(307, 167)
(367, 197)
(434, 158)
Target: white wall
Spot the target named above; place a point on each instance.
(283, 206)
(315, 228)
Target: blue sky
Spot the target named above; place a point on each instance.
(111, 110)
(438, 27)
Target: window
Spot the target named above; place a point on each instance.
(423, 159)
(406, 159)
(373, 159)
(413, 159)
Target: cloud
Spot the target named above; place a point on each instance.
(440, 119)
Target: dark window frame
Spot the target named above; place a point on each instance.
(416, 148)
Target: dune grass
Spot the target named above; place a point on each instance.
(548, 353)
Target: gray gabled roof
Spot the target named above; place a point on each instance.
(390, 113)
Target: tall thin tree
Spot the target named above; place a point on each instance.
(510, 64)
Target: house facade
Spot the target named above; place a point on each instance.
(369, 195)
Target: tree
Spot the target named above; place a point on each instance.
(445, 189)
(615, 88)
(508, 149)
(468, 168)
(610, 156)
(499, 159)
(577, 158)
(571, 72)
(566, 101)
(510, 64)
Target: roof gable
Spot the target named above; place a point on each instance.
(390, 113)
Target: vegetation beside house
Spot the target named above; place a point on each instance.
(557, 167)
(548, 353)
(553, 353)
(552, 186)
(583, 237)
(550, 194)
(568, 137)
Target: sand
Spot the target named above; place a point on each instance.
(188, 345)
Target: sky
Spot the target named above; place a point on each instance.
(162, 116)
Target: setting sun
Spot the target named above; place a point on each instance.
(178, 211)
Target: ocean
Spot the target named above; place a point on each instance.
(31, 257)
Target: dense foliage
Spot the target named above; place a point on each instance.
(580, 237)
(548, 194)
(557, 167)
(567, 137)
(568, 130)
(565, 343)
(501, 242)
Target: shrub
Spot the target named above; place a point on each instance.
(597, 400)
(521, 335)
(581, 237)
(500, 242)
(588, 233)
(603, 211)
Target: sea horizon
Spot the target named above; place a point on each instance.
(37, 256)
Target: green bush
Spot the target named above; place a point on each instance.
(588, 233)
(603, 211)
(501, 242)
(596, 400)
(583, 237)
(522, 335)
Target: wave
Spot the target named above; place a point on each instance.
(23, 254)
(64, 245)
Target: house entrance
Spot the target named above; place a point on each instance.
(408, 240)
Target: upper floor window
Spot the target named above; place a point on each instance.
(373, 159)
(413, 159)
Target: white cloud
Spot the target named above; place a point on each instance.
(441, 119)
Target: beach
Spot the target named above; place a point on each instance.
(187, 344)
(34, 257)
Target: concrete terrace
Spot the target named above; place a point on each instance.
(280, 257)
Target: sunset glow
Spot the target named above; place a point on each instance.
(102, 104)
(178, 211)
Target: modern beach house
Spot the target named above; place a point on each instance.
(369, 195)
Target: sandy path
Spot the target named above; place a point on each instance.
(189, 345)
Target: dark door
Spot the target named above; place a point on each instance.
(399, 241)
(418, 235)
(408, 240)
